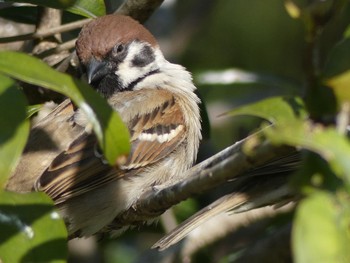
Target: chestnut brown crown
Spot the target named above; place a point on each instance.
(99, 36)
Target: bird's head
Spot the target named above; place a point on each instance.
(117, 52)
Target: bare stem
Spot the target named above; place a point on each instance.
(47, 32)
(139, 10)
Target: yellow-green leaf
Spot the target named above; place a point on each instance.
(112, 134)
(321, 230)
(88, 8)
(341, 86)
(275, 109)
(327, 142)
(14, 126)
(31, 230)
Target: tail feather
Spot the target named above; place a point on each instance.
(257, 196)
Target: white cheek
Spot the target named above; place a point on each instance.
(128, 73)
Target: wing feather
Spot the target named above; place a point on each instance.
(80, 168)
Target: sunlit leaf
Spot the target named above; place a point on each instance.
(341, 86)
(347, 32)
(321, 230)
(14, 126)
(111, 132)
(60, 4)
(327, 142)
(276, 109)
(337, 70)
(33, 109)
(292, 9)
(31, 230)
(89, 8)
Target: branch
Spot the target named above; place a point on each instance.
(70, 44)
(140, 10)
(47, 32)
(219, 169)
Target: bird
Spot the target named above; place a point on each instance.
(156, 100)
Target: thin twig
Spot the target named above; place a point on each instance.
(139, 10)
(59, 48)
(47, 32)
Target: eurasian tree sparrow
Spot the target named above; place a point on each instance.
(155, 99)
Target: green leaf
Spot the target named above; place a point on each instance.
(336, 73)
(14, 126)
(59, 4)
(292, 9)
(321, 230)
(111, 132)
(347, 32)
(327, 142)
(31, 230)
(339, 59)
(88, 8)
(340, 84)
(290, 128)
(33, 109)
(276, 110)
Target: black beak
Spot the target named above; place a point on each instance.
(95, 70)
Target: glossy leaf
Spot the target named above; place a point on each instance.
(321, 230)
(14, 126)
(276, 109)
(33, 109)
(292, 8)
(111, 132)
(59, 4)
(291, 128)
(327, 142)
(89, 8)
(31, 230)
(337, 70)
(340, 84)
(347, 32)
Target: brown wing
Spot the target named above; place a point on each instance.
(155, 134)
(47, 139)
(81, 168)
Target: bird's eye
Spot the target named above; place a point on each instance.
(118, 49)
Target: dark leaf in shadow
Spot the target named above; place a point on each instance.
(47, 252)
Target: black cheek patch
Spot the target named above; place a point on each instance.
(109, 85)
(145, 57)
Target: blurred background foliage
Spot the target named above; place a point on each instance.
(239, 51)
